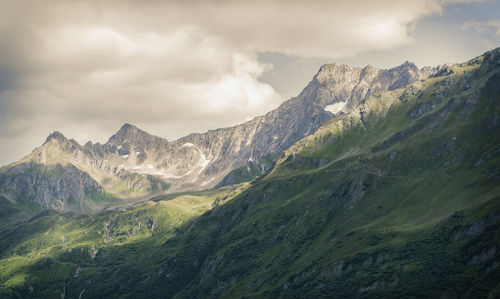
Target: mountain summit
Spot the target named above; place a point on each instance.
(56, 136)
(132, 134)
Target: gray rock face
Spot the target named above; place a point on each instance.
(335, 89)
(135, 163)
(55, 186)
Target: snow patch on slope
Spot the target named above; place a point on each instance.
(207, 182)
(335, 108)
(149, 169)
(203, 162)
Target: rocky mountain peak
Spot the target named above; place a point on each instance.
(56, 137)
(408, 66)
(127, 128)
(131, 134)
(333, 71)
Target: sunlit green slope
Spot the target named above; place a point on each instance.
(51, 246)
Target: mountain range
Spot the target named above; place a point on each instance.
(389, 187)
(136, 164)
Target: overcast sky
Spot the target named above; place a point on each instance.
(175, 67)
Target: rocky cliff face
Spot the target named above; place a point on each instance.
(51, 186)
(335, 89)
(120, 165)
(134, 163)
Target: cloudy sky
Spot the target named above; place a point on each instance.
(174, 67)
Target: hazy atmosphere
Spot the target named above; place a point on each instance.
(175, 67)
(250, 149)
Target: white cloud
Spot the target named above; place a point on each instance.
(171, 67)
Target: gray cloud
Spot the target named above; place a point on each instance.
(171, 67)
(483, 26)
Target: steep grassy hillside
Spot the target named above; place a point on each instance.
(400, 198)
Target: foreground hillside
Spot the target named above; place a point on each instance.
(55, 245)
(398, 198)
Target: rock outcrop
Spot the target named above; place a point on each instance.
(51, 186)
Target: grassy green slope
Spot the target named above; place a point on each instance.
(14, 212)
(400, 198)
(40, 255)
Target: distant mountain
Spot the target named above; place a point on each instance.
(135, 164)
(334, 90)
(397, 198)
